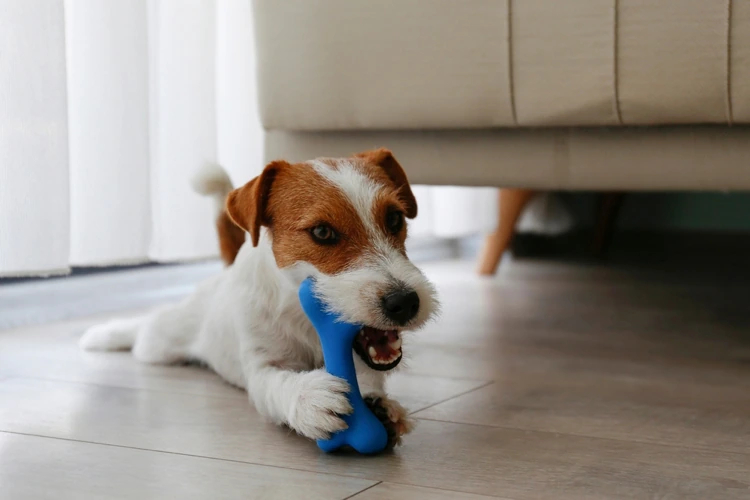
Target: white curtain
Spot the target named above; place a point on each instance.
(108, 107)
(34, 210)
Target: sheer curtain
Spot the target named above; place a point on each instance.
(107, 107)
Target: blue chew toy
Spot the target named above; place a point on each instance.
(366, 434)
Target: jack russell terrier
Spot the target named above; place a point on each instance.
(339, 220)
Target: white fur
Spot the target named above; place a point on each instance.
(212, 180)
(360, 190)
(380, 269)
(248, 326)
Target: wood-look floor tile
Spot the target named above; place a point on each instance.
(651, 331)
(51, 352)
(403, 492)
(690, 415)
(37, 468)
(608, 383)
(416, 392)
(477, 459)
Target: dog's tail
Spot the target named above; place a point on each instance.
(212, 180)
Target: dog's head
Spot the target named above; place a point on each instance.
(343, 221)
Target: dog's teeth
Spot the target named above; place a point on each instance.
(395, 345)
(372, 352)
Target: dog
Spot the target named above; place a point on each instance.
(341, 221)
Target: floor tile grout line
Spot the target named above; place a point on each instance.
(436, 488)
(486, 384)
(230, 460)
(362, 491)
(584, 436)
(180, 454)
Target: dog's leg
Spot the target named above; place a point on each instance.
(308, 402)
(394, 417)
(114, 335)
(167, 336)
(162, 337)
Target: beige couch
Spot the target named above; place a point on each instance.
(532, 94)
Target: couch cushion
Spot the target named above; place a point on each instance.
(625, 158)
(432, 64)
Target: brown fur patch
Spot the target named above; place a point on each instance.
(291, 199)
(300, 200)
(247, 206)
(231, 238)
(386, 201)
(390, 172)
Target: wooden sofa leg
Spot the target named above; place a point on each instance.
(512, 203)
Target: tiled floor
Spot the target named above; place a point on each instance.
(550, 381)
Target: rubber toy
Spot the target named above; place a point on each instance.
(365, 434)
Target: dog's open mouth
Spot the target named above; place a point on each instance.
(379, 349)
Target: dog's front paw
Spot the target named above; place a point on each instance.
(320, 400)
(394, 417)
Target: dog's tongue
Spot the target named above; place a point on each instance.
(386, 343)
(380, 336)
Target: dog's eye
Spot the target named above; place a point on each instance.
(394, 221)
(324, 234)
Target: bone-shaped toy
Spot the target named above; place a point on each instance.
(366, 434)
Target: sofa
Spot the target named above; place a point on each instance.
(525, 95)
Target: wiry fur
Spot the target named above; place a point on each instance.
(247, 323)
(212, 180)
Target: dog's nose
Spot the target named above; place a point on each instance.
(401, 306)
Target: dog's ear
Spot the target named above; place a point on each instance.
(385, 160)
(247, 206)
